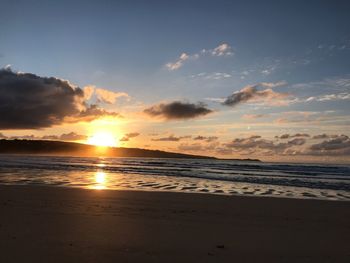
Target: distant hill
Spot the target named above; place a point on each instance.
(42, 147)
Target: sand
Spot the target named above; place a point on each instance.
(52, 224)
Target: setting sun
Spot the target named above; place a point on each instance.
(104, 138)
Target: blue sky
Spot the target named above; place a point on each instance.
(125, 46)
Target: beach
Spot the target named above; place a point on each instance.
(58, 224)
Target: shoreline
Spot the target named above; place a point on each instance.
(60, 224)
(148, 190)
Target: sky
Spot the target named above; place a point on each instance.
(232, 79)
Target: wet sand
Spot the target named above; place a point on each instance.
(52, 224)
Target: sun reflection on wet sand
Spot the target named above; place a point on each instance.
(100, 181)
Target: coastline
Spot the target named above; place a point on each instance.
(77, 225)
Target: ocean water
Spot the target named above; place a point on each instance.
(181, 175)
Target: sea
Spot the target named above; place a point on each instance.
(225, 177)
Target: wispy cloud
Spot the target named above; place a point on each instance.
(128, 136)
(103, 95)
(222, 50)
(253, 116)
(329, 97)
(108, 96)
(212, 76)
(180, 61)
(170, 138)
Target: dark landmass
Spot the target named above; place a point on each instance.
(245, 160)
(42, 147)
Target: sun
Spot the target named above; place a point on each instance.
(102, 138)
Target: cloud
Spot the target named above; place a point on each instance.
(324, 136)
(253, 145)
(88, 92)
(128, 136)
(170, 138)
(287, 136)
(178, 110)
(329, 89)
(212, 76)
(195, 147)
(272, 85)
(297, 141)
(204, 138)
(109, 97)
(329, 97)
(28, 101)
(178, 63)
(321, 136)
(72, 136)
(257, 144)
(253, 116)
(91, 113)
(269, 70)
(191, 147)
(222, 50)
(24, 137)
(338, 146)
(252, 94)
(102, 95)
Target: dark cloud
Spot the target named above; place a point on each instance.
(132, 134)
(336, 146)
(195, 147)
(297, 141)
(128, 136)
(252, 94)
(24, 137)
(324, 136)
(28, 101)
(255, 143)
(204, 138)
(91, 113)
(178, 110)
(171, 138)
(287, 136)
(321, 136)
(72, 136)
(255, 137)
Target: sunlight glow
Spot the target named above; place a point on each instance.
(102, 138)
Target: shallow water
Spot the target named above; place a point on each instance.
(181, 175)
